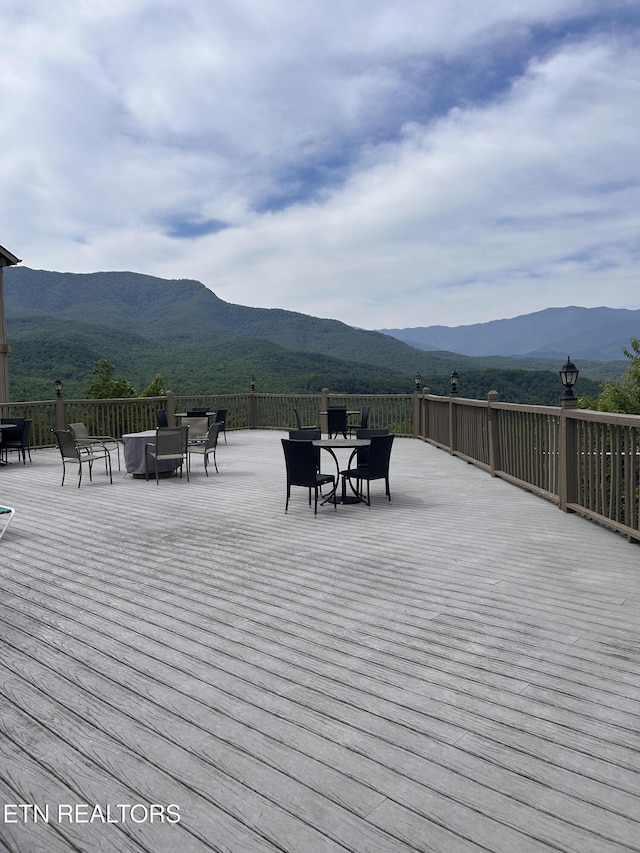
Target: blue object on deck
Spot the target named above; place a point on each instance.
(4, 511)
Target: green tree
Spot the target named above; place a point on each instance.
(156, 387)
(104, 386)
(622, 396)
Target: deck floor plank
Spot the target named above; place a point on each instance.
(455, 671)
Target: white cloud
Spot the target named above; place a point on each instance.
(424, 163)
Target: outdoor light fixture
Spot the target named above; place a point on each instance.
(569, 377)
(58, 386)
(253, 383)
(454, 379)
(418, 381)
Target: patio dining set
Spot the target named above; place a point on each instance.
(155, 453)
(370, 453)
(167, 451)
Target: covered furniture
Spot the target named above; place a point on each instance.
(171, 445)
(207, 447)
(77, 454)
(336, 421)
(221, 418)
(300, 462)
(81, 435)
(6, 514)
(376, 466)
(299, 420)
(16, 436)
(134, 454)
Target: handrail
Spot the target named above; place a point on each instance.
(585, 461)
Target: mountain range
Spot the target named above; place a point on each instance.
(583, 333)
(59, 324)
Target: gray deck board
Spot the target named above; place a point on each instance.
(455, 671)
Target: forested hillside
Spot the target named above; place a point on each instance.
(60, 324)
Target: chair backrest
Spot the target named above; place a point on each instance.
(197, 426)
(78, 431)
(305, 434)
(300, 461)
(336, 419)
(18, 433)
(379, 456)
(26, 431)
(221, 416)
(298, 421)
(161, 418)
(212, 435)
(172, 440)
(364, 416)
(363, 452)
(66, 444)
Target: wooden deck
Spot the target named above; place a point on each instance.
(456, 671)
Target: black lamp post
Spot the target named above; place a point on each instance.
(58, 386)
(569, 377)
(417, 381)
(454, 379)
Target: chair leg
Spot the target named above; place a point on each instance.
(286, 506)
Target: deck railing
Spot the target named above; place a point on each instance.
(586, 462)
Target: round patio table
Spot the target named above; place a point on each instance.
(333, 444)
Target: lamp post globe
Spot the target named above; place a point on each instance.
(569, 376)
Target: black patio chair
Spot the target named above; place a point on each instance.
(161, 418)
(300, 461)
(299, 420)
(336, 421)
(375, 468)
(364, 420)
(16, 437)
(308, 434)
(362, 454)
(221, 418)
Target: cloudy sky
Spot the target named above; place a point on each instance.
(387, 163)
